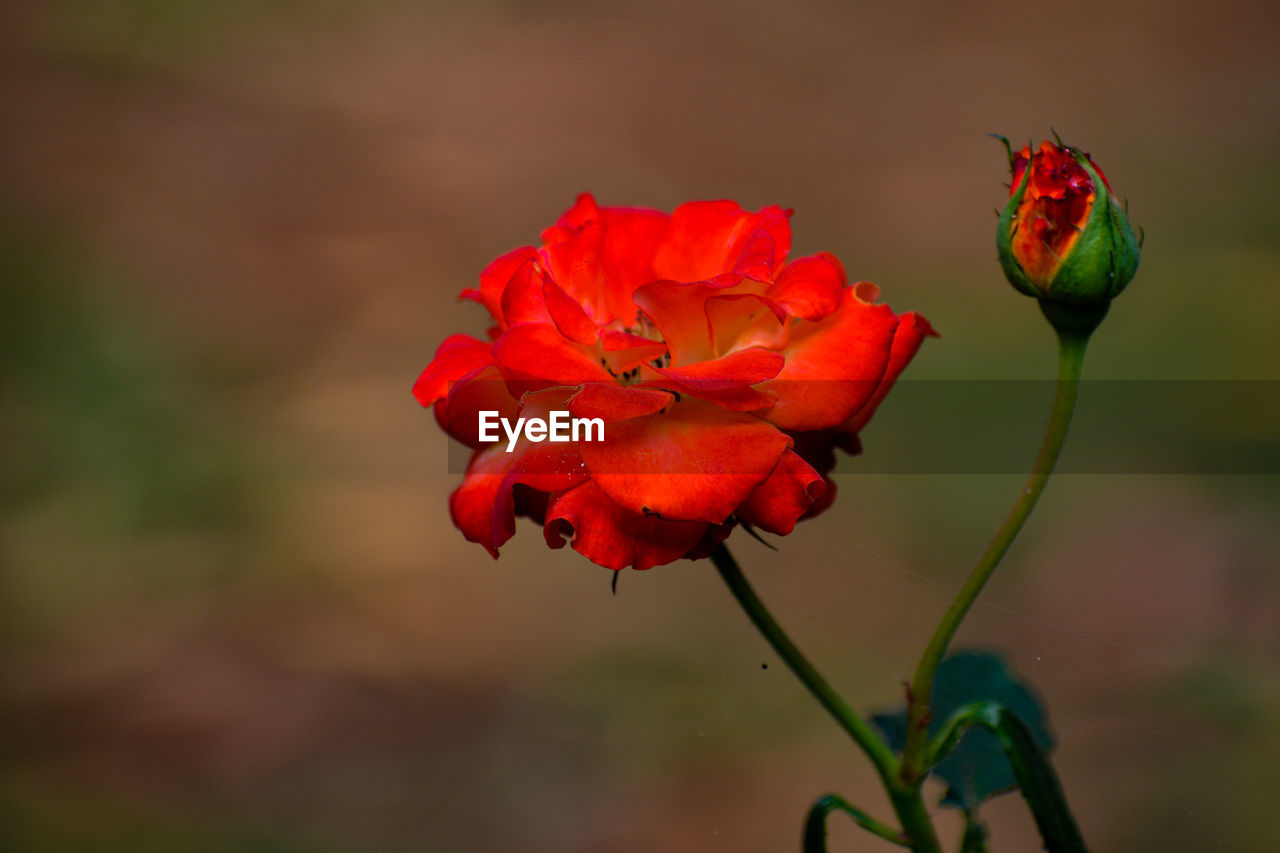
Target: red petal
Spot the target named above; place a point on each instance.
(568, 315)
(756, 258)
(539, 354)
(631, 238)
(572, 257)
(457, 356)
(776, 221)
(910, 334)
(494, 278)
(785, 497)
(695, 462)
(522, 300)
(743, 321)
(601, 255)
(483, 507)
(809, 287)
(472, 504)
(612, 537)
(531, 297)
(697, 241)
(833, 366)
(584, 210)
(726, 381)
(614, 402)
(624, 351)
(818, 448)
(733, 398)
(706, 238)
(743, 367)
(481, 390)
(716, 533)
(679, 312)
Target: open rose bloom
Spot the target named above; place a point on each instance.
(725, 377)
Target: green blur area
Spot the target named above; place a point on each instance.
(234, 612)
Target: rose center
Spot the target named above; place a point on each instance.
(644, 328)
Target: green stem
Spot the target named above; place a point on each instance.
(907, 803)
(974, 838)
(815, 826)
(1072, 344)
(877, 750)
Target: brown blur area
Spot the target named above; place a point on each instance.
(235, 615)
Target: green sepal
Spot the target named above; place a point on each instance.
(1004, 234)
(1104, 258)
(1072, 320)
(1008, 149)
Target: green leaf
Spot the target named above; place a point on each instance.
(976, 769)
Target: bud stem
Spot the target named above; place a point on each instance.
(1074, 325)
(903, 779)
(1076, 321)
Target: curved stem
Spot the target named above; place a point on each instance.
(877, 750)
(815, 826)
(1071, 350)
(907, 803)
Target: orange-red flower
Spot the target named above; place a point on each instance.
(724, 375)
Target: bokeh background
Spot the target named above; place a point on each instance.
(235, 615)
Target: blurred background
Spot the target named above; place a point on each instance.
(235, 615)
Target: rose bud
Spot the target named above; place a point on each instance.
(1064, 237)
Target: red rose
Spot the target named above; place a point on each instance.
(724, 378)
